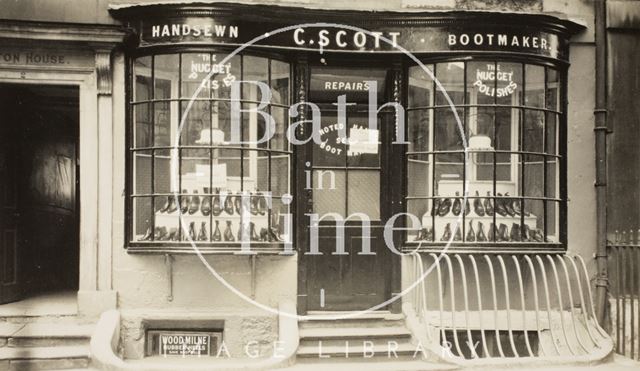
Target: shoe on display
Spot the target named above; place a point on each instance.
(228, 233)
(237, 203)
(491, 235)
(507, 204)
(428, 234)
(503, 233)
(253, 203)
(480, 236)
(216, 208)
(192, 231)
(488, 205)
(457, 205)
(205, 206)
(252, 233)
(467, 208)
(436, 207)
(148, 236)
(499, 203)
(458, 235)
(184, 203)
(264, 234)
(516, 234)
(420, 235)
(228, 203)
(538, 235)
(160, 234)
(217, 236)
(477, 205)
(515, 205)
(173, 234)
(203, 235)
(262, 204)
(446, 236)
(169, 206)
(445, 207)
(194, 203)
(471, 235)
(274, 235)
(526, 233)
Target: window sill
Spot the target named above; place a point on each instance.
(522, 248)
(185, 248)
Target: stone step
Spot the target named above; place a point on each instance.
(320, 333)
(364, 321)
(44, 358)
(338, 349)
(44, 334)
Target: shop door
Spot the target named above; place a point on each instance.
(347, 182)
(38, 198)
(10, 289)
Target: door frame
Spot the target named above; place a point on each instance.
(395, 92)
(94, 132)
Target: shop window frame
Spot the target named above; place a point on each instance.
(208, 247)
(435, 245)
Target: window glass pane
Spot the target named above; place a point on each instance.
(162, 172)
(552, 177)
(282, 227)
(195, 170)
(481, 82)
(196, 130)
(329, 192)
(421, 210)
(142, 80)
(280, 80)
(195, 68)
(553, 89)
(143, 120)
(142, 171)
(418, 179)
(332, 150)
(552, 221)
(280, 170)
(165, 113)
(364, 146)
(509, 83)
(533, 138)
(166, 218)
(420, 86)
(449, 174)
(221, 123)
(534, 218)
(254, 69)
(258, 170)
(534, 176)
(451, 77)
(552, 133)
(166, 76)
(534, 79)
(142, 222)
(447, 130)
(226, 71)
(364, 193)
(506, 140)
(279, 139)
(226, 170)
(253, 127)
(418, 130)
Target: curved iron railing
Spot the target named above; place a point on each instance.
(483, 306)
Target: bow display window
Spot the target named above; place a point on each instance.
(488, 131)
(189, 180)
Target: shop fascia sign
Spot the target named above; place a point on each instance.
(382, 38)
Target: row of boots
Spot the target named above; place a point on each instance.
(504, 206)
(216, 204)
(502, 234)
(245, 233)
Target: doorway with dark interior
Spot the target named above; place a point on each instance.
(39, 189)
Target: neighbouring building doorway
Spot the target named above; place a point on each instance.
(39, 211)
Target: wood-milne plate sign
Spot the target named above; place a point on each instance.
(169, 343)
